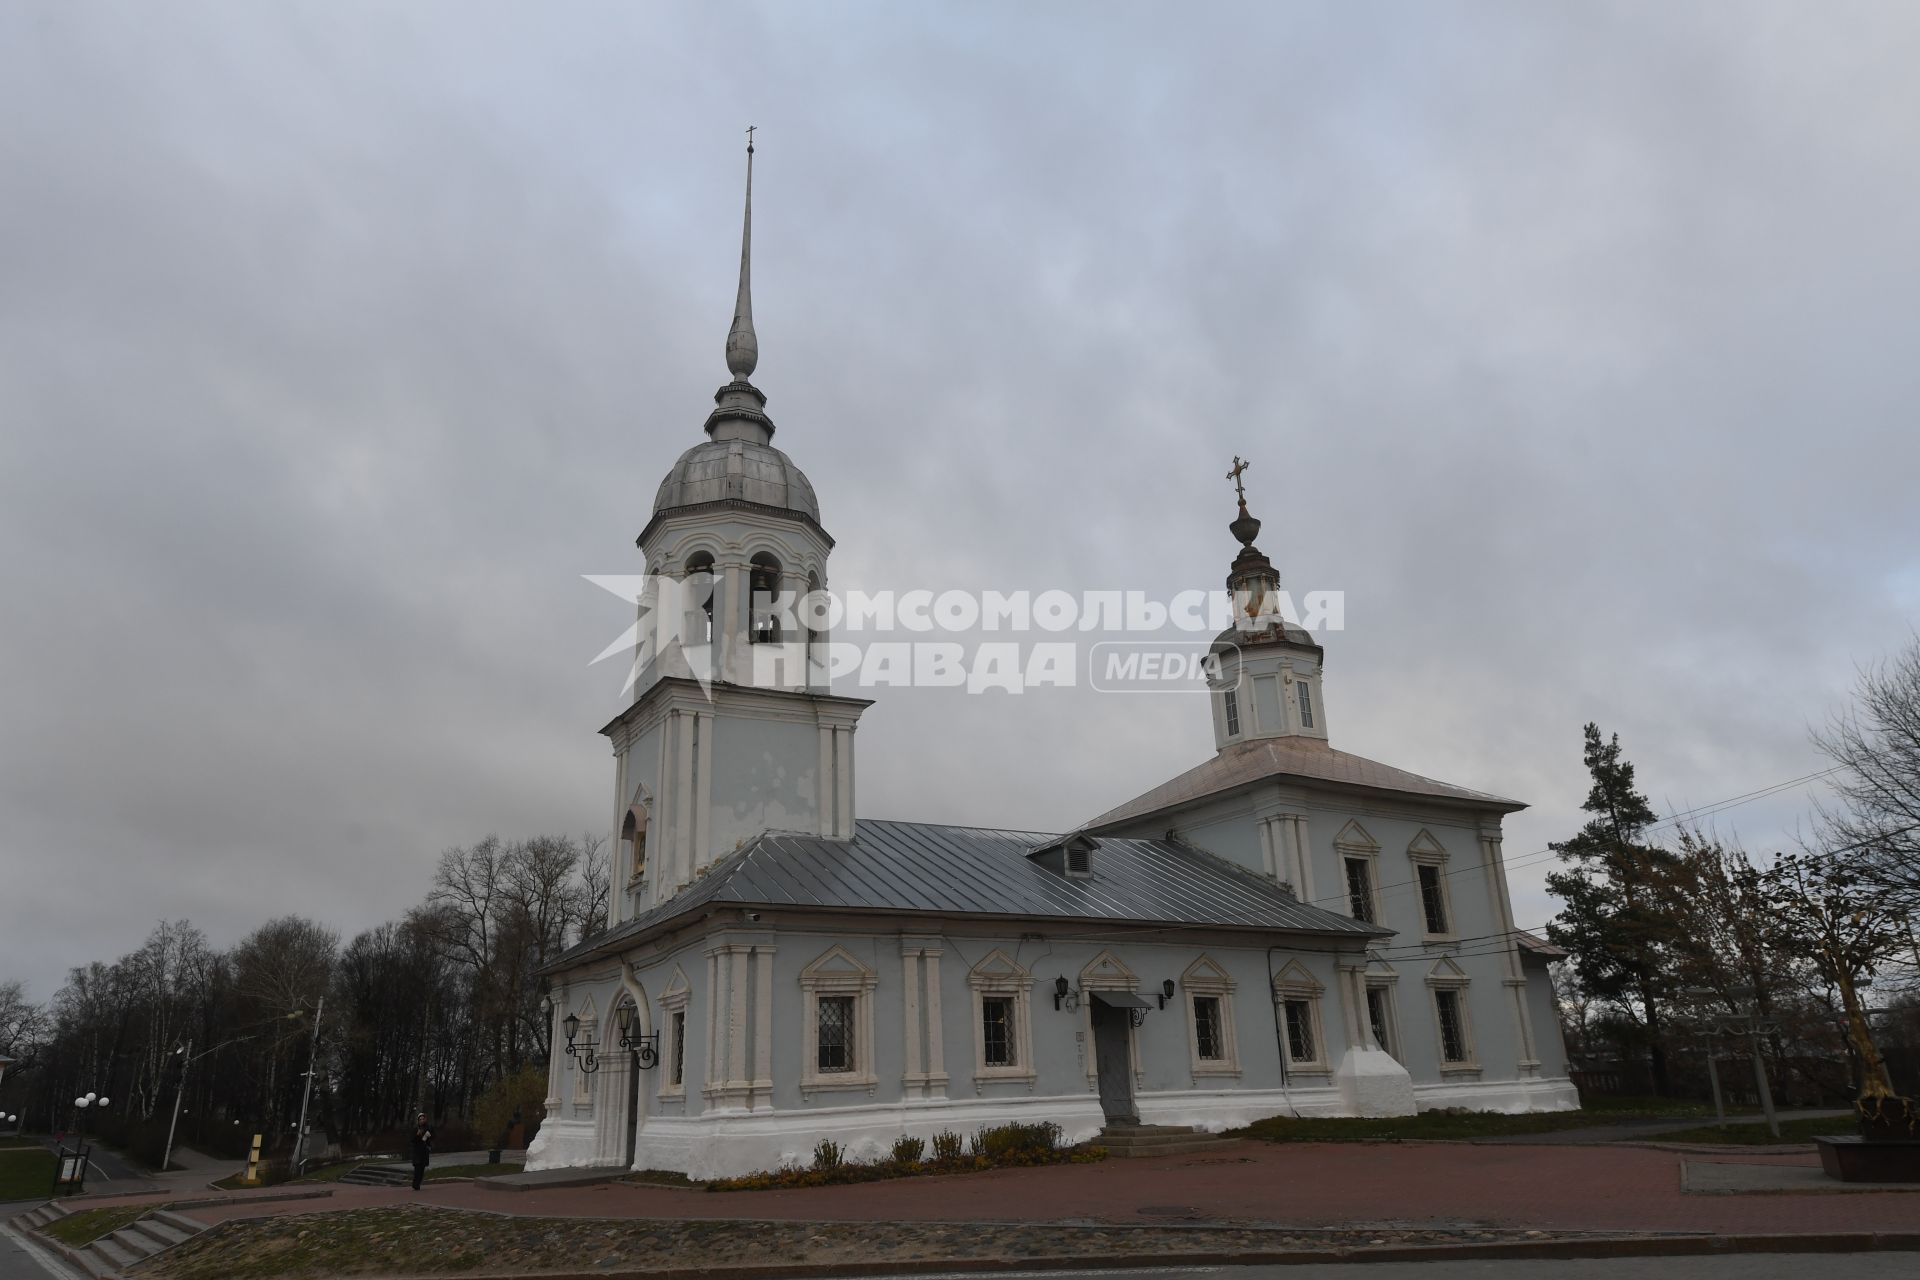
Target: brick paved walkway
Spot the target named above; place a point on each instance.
(1567, 1188)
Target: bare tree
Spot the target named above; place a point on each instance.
(1876, 743)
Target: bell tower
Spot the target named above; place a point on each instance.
(1267, 683)
(734, 729)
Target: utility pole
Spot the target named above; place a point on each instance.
(313, 1061)
(186, 1060)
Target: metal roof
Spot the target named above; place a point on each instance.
(1307, 758)
(932, 869)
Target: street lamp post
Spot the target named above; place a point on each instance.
(313, 1062)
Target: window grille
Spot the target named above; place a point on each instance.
(1433, 899)
(1299, 1031)
(1453, 1031)
(996, 1031)
(836, 1034)
(1359, 890)
(679, 1047)
(1377, 1016)
(1206, 1028)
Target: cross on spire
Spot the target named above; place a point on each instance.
(1240, 466)
(750, 129)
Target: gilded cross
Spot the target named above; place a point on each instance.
(1240, 466)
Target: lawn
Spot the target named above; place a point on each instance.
(471, 1170)
(26, 1174)
(86, 1226)
(1457, 1125)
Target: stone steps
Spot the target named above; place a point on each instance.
(109, 1257)
(1134, 1142)
(384, 1174)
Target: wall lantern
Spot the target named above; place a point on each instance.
(1064, 996)
(588, 1062)
(646, 1048)
(1166, 992)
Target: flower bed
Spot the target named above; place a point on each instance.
(1011, 1146)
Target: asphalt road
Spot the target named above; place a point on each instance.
(21, 1259)
(1746, 1266)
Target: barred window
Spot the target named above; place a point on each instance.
(1306, 704)
(1207, 1040)
(1360, 890)
(996, 1030)
(1377, 998)
(1433, 898)
(1453, 1030)
(1233, 713)
(1300, 1031)
(679, 1047)
(836, 1034)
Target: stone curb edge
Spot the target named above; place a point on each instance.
(1603, 1247)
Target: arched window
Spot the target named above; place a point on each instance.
(633, 833)
(764, 587)
(700, 580)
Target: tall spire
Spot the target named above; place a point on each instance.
(743, 348)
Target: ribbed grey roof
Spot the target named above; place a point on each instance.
(716, 470)
(1298, 757)
(918, 867)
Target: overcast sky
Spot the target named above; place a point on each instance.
(1574, 343)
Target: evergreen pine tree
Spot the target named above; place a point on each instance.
(1616, 924)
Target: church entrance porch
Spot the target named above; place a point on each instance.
(1113, 1053)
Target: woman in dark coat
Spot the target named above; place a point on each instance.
(422, 1148)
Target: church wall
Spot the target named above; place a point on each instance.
(765, 778)
(1385, 832)
(1549, 1041)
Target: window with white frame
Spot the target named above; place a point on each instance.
(1433, 899)
(1213, 1038)
(673, 1003)
(835, 1042)
(1001, 1019)
(1360, 888)
(1232, 705)
(1453, 1027)
(1380, 1017)
(1358, 852)
(1306, 703)
(837, 1022)
(1298, 994)
(1429, 858)
(1452, 1018)
(1208, 1043)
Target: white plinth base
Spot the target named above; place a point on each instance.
(1373, 1083)
(1509, 1096)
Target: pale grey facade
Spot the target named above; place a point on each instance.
(1284, 929)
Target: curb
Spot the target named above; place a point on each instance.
(1523, 1250)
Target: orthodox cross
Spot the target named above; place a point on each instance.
(1239, 467)
(750, 129)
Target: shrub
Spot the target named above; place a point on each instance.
(946, 1145)
(827, 1155)
(1017, 1142)
(908, 1150)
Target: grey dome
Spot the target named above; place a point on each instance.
(737, 470)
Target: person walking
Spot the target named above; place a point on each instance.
(422, 1148)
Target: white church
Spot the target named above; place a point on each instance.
(1284, 929)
